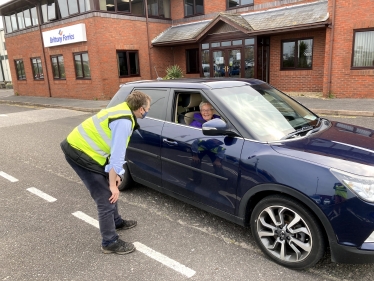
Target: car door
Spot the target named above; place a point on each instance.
(201, 168)
(143, 153)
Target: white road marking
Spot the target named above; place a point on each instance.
(3, 115)
(41, 194)
(164, 260)
(8, 177)
(86, 218)
(188, 272)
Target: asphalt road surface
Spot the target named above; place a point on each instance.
(48, 226)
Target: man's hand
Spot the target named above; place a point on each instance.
(195, 159)
(114, 182)
(115, 193)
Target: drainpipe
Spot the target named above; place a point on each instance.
(37, 5)
(331, 42)
(148, 41)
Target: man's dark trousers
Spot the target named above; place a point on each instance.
(98, 186)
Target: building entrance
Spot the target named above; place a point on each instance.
(226, 63)
(229, 58)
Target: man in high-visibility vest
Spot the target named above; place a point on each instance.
(96, 151)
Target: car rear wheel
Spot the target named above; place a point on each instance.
(287, 232)
(127, 180)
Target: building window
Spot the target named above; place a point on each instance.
(135, 7)
(193, 7)
(192, 61)
(237, 3)
(58, 67)
(159, 8)
(37, 68)
(297, 54)
(20, 68)
(48, 10)
(363, 49)
(8, 24)
(21, 21)
(82, 66)
(128, 63)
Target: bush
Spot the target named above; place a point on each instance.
(173, 72)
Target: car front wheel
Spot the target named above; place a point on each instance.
(287, 232)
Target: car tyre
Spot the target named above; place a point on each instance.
(127, 180)
(287, 232)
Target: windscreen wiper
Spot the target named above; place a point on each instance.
(299, 131)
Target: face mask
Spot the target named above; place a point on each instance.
(145, 114)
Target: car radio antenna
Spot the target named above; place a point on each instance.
(158, 78)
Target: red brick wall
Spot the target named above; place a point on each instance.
(102, 42)
(298, 80)
(347, 83)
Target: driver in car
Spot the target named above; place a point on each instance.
(206, 114)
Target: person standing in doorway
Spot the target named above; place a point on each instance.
(96, 150)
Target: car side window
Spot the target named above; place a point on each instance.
(187, 107)
(159, 102)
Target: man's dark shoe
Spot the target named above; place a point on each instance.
(119, 247)
(126, 225)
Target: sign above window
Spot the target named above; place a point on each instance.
(65, 35)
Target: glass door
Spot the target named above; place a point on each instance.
(218, 63)
(226, 63)
(234, 63)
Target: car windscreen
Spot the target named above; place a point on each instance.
(265, 112)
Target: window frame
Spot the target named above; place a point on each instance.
(197, 60)
(22, 70)
(158, 16)
(296, 59)
(37, 76)
(239, 6)
(81, 62)
(127, 52)
(194, 9)
(58, 68)
(353, 49)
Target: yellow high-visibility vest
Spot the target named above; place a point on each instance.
(94, 137)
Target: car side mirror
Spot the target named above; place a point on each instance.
(217, 127)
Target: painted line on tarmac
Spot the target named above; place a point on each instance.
(145, 250)
(86, 218)
(8, 177)
(41, 194)
(3, 115)
(164, 260)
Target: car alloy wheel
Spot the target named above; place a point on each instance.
(287, 232)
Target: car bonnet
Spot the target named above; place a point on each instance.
(342, 146)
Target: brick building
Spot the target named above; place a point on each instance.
(87, 48)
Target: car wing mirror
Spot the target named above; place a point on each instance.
(217, 127)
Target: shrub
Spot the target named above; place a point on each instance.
(173, 72)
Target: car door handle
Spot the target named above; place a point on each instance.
(169, 142)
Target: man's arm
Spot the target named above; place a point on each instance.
(121, 130)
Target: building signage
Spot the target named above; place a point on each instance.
(65, 35)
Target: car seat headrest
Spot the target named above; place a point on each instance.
(190, 100)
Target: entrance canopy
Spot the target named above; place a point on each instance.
(272, 21)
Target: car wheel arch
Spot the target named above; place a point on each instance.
(255, 194)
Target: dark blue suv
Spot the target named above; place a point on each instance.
(302, 183)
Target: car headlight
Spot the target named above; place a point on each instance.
(363, 187)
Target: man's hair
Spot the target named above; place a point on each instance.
(137, 99)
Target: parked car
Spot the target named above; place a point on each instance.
(302, 183)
